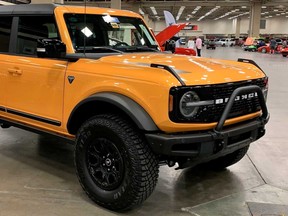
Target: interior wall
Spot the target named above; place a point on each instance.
(275, 25)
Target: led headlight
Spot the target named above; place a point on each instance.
(187, 106)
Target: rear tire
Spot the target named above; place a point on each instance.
(114, 164)
(284, 55)
(227, 160)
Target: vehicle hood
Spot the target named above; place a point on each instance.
(192, 70)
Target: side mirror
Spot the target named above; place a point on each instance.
(51, 48)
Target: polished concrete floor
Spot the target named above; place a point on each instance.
(37, 173)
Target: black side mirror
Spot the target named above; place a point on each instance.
(51, 48)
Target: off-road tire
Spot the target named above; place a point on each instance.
(284, 55)
(227, 160)
(136, 165)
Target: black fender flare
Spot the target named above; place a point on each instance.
(139, 115)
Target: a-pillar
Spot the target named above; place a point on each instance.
(255, 16)
(116, 4)
(47, 1)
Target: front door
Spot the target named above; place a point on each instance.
(35, 85)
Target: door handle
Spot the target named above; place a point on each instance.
(15, 71)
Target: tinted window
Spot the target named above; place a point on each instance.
(33, 28)
(5, 28)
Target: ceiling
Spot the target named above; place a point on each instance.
(199, 10)
(193, 10)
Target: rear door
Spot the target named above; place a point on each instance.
(34, 85)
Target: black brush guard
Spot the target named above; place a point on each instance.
(218, 142)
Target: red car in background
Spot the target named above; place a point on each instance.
(284, 52)
(167, 40)
(266, 49)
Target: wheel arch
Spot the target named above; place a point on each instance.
(109, 102)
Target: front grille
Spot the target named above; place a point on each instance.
(212, 113)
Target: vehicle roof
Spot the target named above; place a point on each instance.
(28, 9)
(48, 9)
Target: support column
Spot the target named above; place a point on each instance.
(116, 4)
(238, 24)
(255, 16)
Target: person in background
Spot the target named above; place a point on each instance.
(191, 43)
(198, 46)
(272, 45)
(284, 44)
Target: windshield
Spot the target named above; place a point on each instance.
(105, 33)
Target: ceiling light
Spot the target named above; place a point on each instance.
(282, 13)
(243, 6)
(153, 10)
(226, 14)
(200, 18)
(181, 9)
(263, 6)
(276, 10)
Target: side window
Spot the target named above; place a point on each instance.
(5, 29)
(32, 28)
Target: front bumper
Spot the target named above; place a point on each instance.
(218, 142)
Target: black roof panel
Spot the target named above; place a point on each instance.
(25, 9)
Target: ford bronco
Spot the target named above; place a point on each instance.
(96, 77)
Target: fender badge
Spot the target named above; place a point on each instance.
(71, 79)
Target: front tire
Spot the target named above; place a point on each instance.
(114, 164)
(227, 160)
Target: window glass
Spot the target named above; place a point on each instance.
(33, 28)
(94, 32)
(5, 29)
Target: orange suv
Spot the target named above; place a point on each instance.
(97, 77)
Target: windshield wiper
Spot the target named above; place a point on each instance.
(98, 50)
(140, 49)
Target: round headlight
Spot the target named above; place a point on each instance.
(187, 108)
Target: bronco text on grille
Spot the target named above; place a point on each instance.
(215, 97)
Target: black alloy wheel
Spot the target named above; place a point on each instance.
(114, 163)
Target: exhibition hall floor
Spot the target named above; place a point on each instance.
(38, 177)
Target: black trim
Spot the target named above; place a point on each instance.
(171, 70)
(13, 36)
(28, 9)
(36, 130)
(139, 116)
(2, 109)
(207, 143)
(37, 118)
(250, 62)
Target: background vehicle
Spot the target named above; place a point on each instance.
(167, 40)
(225, 42)
(210, 44)
(284, 52)
(266, 49)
